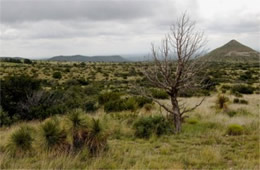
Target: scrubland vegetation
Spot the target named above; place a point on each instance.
(89, 115)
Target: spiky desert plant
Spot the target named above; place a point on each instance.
(20, 141)
(222, 101)
(53, 136)
(77, 126)
(97, 137)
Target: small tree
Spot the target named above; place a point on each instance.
(176, 67)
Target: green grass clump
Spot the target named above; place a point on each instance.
(96, 138)
(77, 127)
(20, 141)
(146, 126)
(53, 136)
(235, 130)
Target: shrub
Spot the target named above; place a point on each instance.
(120, 105)
(141, 101)
(235, 129)
(148, 107)
(57, 75)
(97, 137)
(108, 96)
(236, 100)
(192, 121)
(146, 126)
(53, 136)
(159, 94)
(4, 118)
(20, 141)
(90, 106)
(27, 61)
(241, 101)
(221, 101)
(231, 113)
(244, 89)
(14, 90)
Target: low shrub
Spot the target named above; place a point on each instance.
(141, 101)
(231, 113)
(107, 97)
(159, 94)
(236, 100)
(5, 120)
(243, 89)
(192, 121)
(148, 107)
(20, 141)
(57, 75)
(146, 126)
(90, 106)
(241, 101)
(235, 130)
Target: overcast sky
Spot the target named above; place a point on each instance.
(45, 28)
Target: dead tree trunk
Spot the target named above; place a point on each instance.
(175, 66)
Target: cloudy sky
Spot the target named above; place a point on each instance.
(44, 28)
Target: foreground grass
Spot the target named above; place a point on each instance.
(203, 143)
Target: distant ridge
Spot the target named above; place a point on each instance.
(233, 51)
(81, 58)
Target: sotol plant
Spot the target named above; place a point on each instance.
(20, 141)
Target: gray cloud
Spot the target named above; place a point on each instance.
(53, 27)
(22, 10)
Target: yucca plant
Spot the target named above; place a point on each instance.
(221, 101)
(97, 137)
(20, 141)
(77, 127)
(53, 137)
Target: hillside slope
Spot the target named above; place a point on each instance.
(81, 58)
(233, 51)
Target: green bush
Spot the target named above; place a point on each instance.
(243, 89)
(146, 126)
(241, 101)
(90, 106)
(20, 141)
(4, 118)
(235, 129)
(159, 94)
(121, 105)
(231, 113)
(141, 101)
(236, 100)
(57, 75)
(107, 97)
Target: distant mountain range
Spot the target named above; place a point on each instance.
(233, 51)
(81, 58)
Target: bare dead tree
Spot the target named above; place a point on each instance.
(176, 66)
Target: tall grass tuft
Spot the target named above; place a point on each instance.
(53, 137)
(20, 141)
(78, 128)
(97, 137)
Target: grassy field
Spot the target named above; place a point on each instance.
(205, 141)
